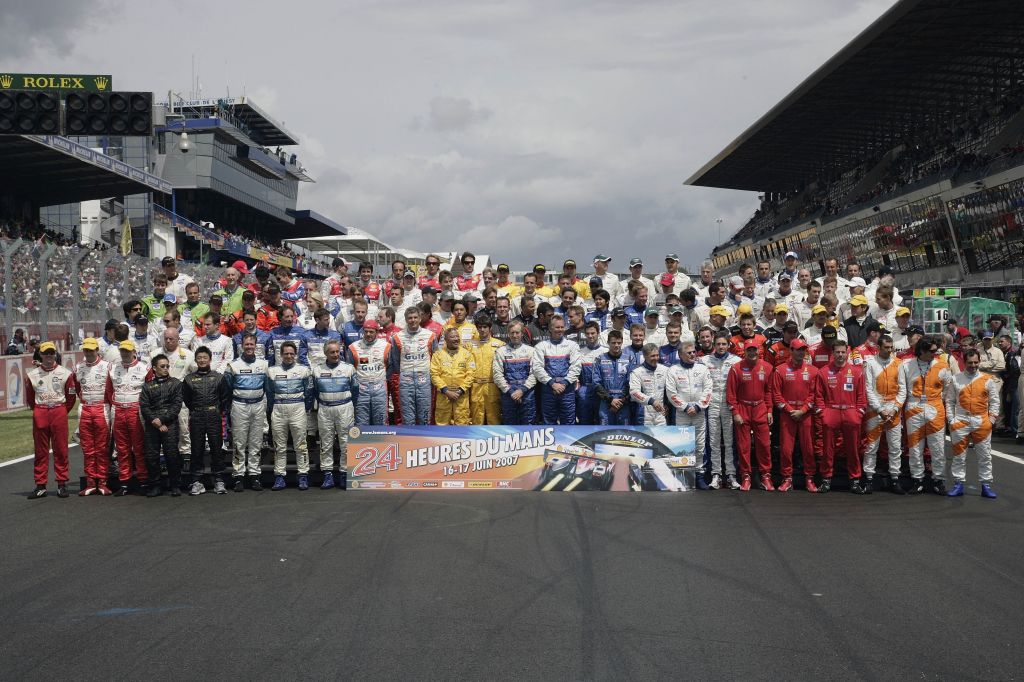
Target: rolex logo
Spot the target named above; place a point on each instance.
(101, 82)
(6, 81)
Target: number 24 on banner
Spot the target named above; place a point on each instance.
(371, 458)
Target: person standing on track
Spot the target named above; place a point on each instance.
(556, 365)
(94, 418)
(841, 399)
(124, 383)
(371, 357)
(972, 407)
(647, 384)
(720, 415)
(451, 371)
(484, 397)
(886, 396)
(925, 380)
(207, 396)
(514, 378)
(335, 390)
(247, 378)
(793, 395)
(290, 400)
(689, 388)
(51, 393)
(159, 405)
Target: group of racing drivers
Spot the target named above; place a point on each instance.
(814, 365)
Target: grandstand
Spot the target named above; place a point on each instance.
(906, 149)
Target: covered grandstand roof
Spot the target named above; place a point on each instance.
(918, 62)
(261, 125)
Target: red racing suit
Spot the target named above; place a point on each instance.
(94, 420)
(779, 354)
(51, 396)
(740, 342)
(124, 384)
(841, 399)
(792, 391)
(748, 392)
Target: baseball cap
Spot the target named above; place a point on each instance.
(719, 310)
(618, 312)
(872, 326)
(539, 266)
(781, 308)
(672, 256)
(140, 318)
(736, 282)
(216, 300)
(791, 254)
(750, 346)
(569, 263)
(595, 282)
(676, 309)
(744, 308)
(447, 296)
(428, 290)
(126, 345)
(902, 310)
(601, 258)
(241, 267)
(829, 331)
(914, 329)
(885, 270)
(110, 324)
(791, 326)
(988, 334)
(797, 344)
(859, 300)
(470, 296)
(858, 282)
(167, 260)
(818, 309)
(635, 261)
(371, 324)
(502, 266)
(47, 347)
(785, 275)
(90, 344)
(409, 273)
(651, 311)
(170, 298)
(666, 279)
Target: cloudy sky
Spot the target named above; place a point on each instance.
(531, 131)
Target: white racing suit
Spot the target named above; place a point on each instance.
(720, 414)
(972, 407)
(691, 386)
(885, 393)
(290, 396)
(925, 414)
(647, 387)
(335, 389)
(248, 381)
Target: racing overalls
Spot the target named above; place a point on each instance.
(886, 393)
(748, 392)
(261, 343)
(371, 363)
(94, 420)
(207, 396)
(161, 399)
(690, 385)
(647, 387)
(334, 387)
(290, 397)
(484, 397)
(410, 361)
(586, 399)
(557, 363)
(720, 425)
(511, 370)
(841, 399)
(925, 414)
(792, 390)
(51, 395)
(278, 336)
(124, 383)
(611, 382)
(247, 378)
(222, 350)
(972, 407)
(450, 370)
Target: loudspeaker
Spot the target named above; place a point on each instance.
(29, 112)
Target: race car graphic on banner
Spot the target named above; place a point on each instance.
(544, 458)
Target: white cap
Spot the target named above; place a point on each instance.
(736, 282)
(858, 282)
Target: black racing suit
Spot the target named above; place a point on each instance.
(207, 396)
(161, 399)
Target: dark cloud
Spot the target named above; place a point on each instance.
(56, 26)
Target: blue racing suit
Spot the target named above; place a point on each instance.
(611, 381)
(512, 371)
(312, 348)
(586, 398)
(278, 335)
(289, 397)
(557, 363)
(262, 338)
(410, 359)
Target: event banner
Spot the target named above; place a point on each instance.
(548, 458)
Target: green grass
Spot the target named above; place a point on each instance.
(16, 433)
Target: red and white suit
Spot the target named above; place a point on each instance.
(793, 390)
(94, 419)
(124, 384)
(51, 395)
(841, 399)
(748, 392)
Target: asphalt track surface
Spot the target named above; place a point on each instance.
(513, 585)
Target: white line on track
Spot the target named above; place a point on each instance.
(15, 461)
(1012, 458)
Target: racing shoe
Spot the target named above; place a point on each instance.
(766, 483)
(328, 481)
(916, 486)
(869, 485)
(342, 481)
(239, 485)
(279, 483)
(122, 491)
(89, 489)
(219, 488)
(938, 486)
(197, 488)
(716, 482)
(731, 482)
(786, 485)
(38, 493)
(303, 482)
(986, 491)
(102, 488)
(702, 483)
(154, 491)
(745, 482)
(894, 486)
(62, 491)
(810, 486)
(826, 485)
(856, 488)
(957, 490)
(257, 484)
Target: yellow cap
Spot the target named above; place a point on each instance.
(47, 346)
(744, 308)
(781, 308)
(719, 310)
(818, 309)
(127, 345)
(902, 310)
(859, 300)
(90, 344)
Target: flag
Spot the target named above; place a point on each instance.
(126, 236)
